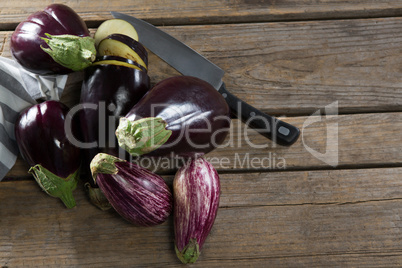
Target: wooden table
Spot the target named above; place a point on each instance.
(334, 198)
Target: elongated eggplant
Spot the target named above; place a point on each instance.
(42, 133)
(196, 192)
(53, 41)
(108, 92)
(138, 195)
(181, 115)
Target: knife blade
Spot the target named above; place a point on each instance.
(189, 62)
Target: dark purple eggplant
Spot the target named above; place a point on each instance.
(196, 192)
(43, 137)
(181, 115)
(108, 92)
(53, 41)
(138, 195)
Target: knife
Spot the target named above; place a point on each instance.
(189, 62)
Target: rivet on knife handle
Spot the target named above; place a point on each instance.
(269, 126)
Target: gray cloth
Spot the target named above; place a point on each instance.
(19, 89)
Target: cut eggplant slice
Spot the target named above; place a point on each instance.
(124, 46)
(114, 26)
(116, 60)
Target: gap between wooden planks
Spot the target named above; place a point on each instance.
(305, 217)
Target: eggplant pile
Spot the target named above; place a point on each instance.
(120, 117)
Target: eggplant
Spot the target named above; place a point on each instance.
(196, 192)
(138, 195)
(43, 136)
(107, 93)
(181, 115)
(53, 41)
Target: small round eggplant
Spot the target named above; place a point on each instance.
(196, 192)
(43, 137)
(181, 115)
(138, 195)
(53, 41)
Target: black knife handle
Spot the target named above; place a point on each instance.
(276, 130)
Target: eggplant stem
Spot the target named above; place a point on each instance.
(142, 136)
(104, 163)
(71, 51)
(68, 199)
(56, 186)
(97, 197)
(190, 252)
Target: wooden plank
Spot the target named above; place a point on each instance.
(294, 68)
(360, 140)
(213, 11)
(308, 218)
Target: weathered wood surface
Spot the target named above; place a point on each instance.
(215, 11)
(304, 218)
(280, 206)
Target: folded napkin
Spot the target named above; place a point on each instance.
(20, 89)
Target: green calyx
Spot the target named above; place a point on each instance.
(71, 51)
(97, 197)
(190, 252)
(56, 186)
(104, 164)
(142, 136)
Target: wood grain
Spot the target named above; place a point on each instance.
(216, 11)
(295, 68)
(306, 218)
(333, 199)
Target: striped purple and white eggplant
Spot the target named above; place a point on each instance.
(196, 192)
(138, 195)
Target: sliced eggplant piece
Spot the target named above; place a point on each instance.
(116, 60)
(114, 26)
(124, 46)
